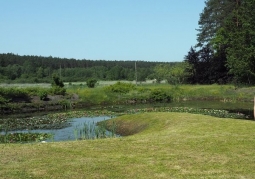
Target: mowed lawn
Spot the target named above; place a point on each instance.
(165, 145)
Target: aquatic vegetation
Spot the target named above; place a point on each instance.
(30, 123)
(24, 137)
(50, 121)
(211, 112)
(8, 126)
(84, 113)
(90, 130)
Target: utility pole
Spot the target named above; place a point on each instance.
(254, 108)
(60, 72)
(135, 74)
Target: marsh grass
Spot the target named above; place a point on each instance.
(169, 145)
(92, 130)
(85, 131)
(92, 95)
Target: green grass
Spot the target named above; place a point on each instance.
(163, 145)
(224, 93)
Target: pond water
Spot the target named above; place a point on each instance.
(75, 131)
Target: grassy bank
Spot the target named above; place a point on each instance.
(154, 92)
(164, 145)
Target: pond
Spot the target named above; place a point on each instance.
(79, 128)
(84, 127)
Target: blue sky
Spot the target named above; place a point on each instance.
(147, 30)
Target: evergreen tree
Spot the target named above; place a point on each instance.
(240, 39)
(56, 81)
(212, 19)
(193, 60)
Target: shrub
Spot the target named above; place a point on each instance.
(120, 87)
(160, 95)
(57, 85)
(13, 93)
(3, 100)
(43, 95)
(58, 90)
(91, 83)
(57, 81)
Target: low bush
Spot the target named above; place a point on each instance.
(43, 95)
(10, 94)
(120, 87)
(91, 83)
(3, 100)
(160, 95)
(58, 90)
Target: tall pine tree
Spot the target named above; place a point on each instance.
(228, 27)
(212, 19)
(240, 40)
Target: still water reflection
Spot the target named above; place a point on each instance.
(71, 132)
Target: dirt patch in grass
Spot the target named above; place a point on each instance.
(128, 124)
(125, 128)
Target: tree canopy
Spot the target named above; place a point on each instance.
(225, 42)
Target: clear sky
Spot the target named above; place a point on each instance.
(147, 30)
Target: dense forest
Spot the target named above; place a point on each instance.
(225, 49)
(16, 68)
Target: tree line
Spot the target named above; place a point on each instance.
(17, 68)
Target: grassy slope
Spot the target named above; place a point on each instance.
(170, 145)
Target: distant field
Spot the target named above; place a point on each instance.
(25, 85)
(47, 85)
(105, 83)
